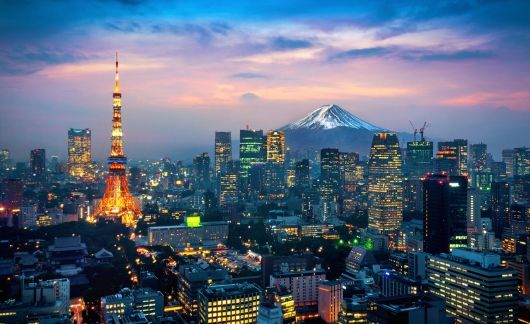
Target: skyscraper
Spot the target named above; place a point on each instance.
(444, 213)
(500, 206)
(201, 170)
(521, 161)
(223, 151)
(4, 160)
(329, 182)
(276, 146)
(228, 191)
(38, 162)
(117, 201)
(451, 157)
(80, 154)
(419, 159)
(507, 158)
(250, 149)
(478, 159)
(385, 183)
(302, 176)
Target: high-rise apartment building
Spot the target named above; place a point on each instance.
(385, 183)
(80, 154)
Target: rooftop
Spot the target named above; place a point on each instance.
(227, 290)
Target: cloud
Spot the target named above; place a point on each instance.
(282, 44)
(360, 53)
(204, 33)
(28, 60)
(123, 26)
(249, 97)
(284, 57)
(463, 55)
(515, 100)
(249, 75)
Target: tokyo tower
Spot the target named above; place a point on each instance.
(117, 202)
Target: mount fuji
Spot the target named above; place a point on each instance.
(330, 126)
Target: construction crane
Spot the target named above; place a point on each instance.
(414, 129)
(422, 130)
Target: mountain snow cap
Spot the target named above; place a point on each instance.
(329, 117)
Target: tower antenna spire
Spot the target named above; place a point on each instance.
(117, 77)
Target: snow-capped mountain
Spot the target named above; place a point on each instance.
(330, 126)
(329, 117)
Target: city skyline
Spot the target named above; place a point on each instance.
(196, 68)
(272, 162)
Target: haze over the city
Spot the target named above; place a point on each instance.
(188, 69)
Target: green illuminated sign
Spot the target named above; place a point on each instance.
(193, 221)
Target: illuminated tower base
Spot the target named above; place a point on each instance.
(117, 201)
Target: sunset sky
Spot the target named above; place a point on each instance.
(190, 68)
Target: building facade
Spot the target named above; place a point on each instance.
(385, 184)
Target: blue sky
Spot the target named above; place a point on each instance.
(189, 68)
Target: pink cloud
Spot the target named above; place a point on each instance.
(517, 100)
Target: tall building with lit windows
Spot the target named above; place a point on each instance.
(223, 151)
(385, 183)
(5, 161)
(444, 213)
(228, 190)
(476, 289)
(250, 149)
(276, 146)
(80, 154)
(38, 162)
(329, 300)
(452, 157)
(521, 162)
(229, 303)
(419, 159)
(330, 183)
(201, 171)
(500, 206)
